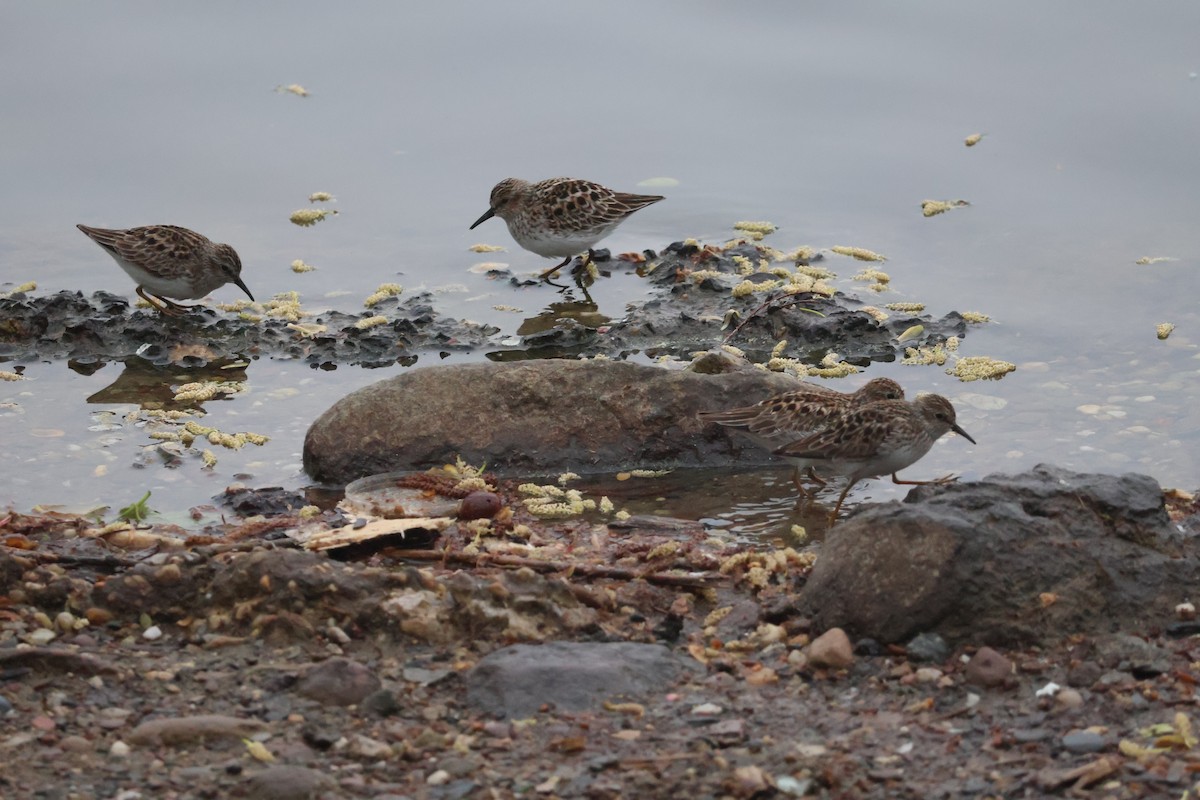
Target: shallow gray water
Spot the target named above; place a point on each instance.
(833, 121)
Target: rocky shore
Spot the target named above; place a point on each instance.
(1023, 635)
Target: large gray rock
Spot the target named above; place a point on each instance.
(534, 417)
(1007, 560)
(570, 676)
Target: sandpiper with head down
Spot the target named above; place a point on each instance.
(167, 261)
(561, 217)
(878, 438)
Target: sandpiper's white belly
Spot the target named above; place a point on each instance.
(556, 245)
(884, 463)
(175, 287)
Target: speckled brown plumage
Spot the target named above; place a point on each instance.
(167, 261)
(800, 412)
(560, 217)
(786, 417)
(877, 438)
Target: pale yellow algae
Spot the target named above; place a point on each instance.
(307, 330)
(925, 356)
(299, 266)
(664, 549)
(873, 275)
(832, 366)
(858, 253)
(1164, 329)
(879, 314)
(28, 286)
(974, 368)
(973, 139)
(742, 264)
(370, 322)
(975, 317)
(551, 502)
(10, 376)
(285, 305)
(384, 291)
(931, 208)
(781, 364)
(756, 230)
(701, 275)
(744, 289)
(207, 390)
(320, 197)
(805, 253)
(816, 273)
(306, 217)
(907, 308)
(486, 248)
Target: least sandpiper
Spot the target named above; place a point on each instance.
(878, 438)
(168, 261)
(795, 414)
(561, 217)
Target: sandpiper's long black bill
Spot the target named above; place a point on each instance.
(963, 433)
(238, 283)
(491, 212)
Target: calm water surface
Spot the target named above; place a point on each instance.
(834, 121)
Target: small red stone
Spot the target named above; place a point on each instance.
(479, 505)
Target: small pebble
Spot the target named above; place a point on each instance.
(988, 668)
(868, 647)
(928, 674)
(338, 682)
(118, 749)
(479, 505)
(498, 730)
(41, 637)
(707, 710)
(831, 649)
(438, 778)
(75, 744)
(928, 647)
(1083, 742)
(152, 633)
(1068, 699)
